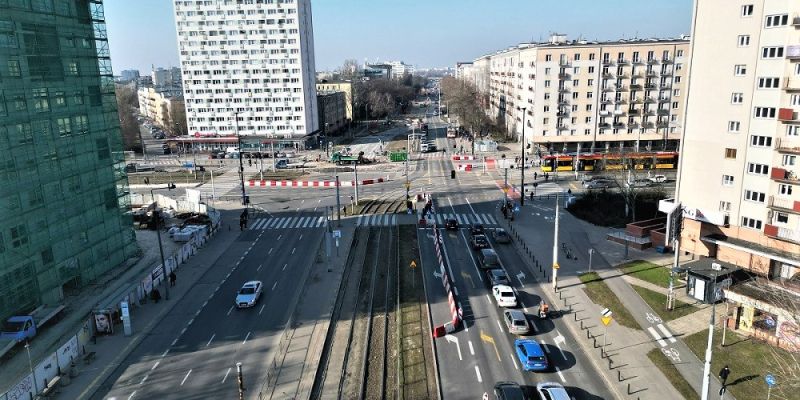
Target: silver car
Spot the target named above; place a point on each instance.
(249, 294)
(552, 391)
(516, 322)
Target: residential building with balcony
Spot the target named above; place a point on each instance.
(248, 68)
(165, 107)
(739, 178)
(596, 96)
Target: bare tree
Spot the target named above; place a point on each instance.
(348, 70)
(127, 103)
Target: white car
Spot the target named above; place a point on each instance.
(249, 294)
(504, 295)
(658, 178)
(552, 391)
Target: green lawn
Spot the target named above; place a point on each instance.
(678, 382)
(599, 292)
(647, 271)
(658, 303)
(750, 360)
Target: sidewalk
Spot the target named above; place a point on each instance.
(81, 380)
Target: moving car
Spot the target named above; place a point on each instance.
(451, 224)
(501, 236)
(658, 178)
(639, 183)
(249, 294)
(516, 322)
(531, 355)
(479, 242)
(477, 229)
(497, 276)
(597, 184)
(508, 391)
(504, 296)
(552, 391)
(487, 258)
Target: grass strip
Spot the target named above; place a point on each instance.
(658, 302)
(647, 271)
(673, 375)
(601, 294)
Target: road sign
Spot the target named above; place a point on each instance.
(505, 189)
(770, 380)
(337, 233)
(408, 185)
(413, 264)
(556, 266)
(605, 316)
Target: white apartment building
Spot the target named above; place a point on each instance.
(464, 71)
(599, 96)
(400, 69)
(739, 179)
(251, 58)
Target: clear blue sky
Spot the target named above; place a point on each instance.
(426, 33)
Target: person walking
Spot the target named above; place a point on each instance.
(172, 278)
(155, 295)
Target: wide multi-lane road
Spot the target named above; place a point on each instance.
(194, 351)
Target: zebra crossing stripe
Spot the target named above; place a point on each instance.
(386, 219)
(666, 333)
(653, 332)
(308, 223)
(320, 221)
(302, 222)
(494, 221)
(458, 218)
(394, 220)
(358, 222)
(285, 224)
(257, 223)
(439, 219)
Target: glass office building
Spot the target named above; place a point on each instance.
(64, 201)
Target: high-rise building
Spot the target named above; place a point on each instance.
(739, 181)
(400, 69)
(63, 188)
(599, 96)
(129, 75)
(254, 59)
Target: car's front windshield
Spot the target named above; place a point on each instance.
(247, 290)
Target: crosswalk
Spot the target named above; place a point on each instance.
(466, 219)
(288, 222)
(377, 220)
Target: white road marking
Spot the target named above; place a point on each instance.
(144, 379)
(658, 339)
(560, 339)
(164, 354)
(499, 325)
(274, 284)
(209, 340)
(478, 372)
(514, 361)
(560, 375)
(284, 267)
(155, 365)
(489, 299)
(259, 267)
(174, 341)
(246, 337)
(301, 237)
(191, 321)
(666, 333)
(293, 249)
(132, 394)
(262, 309)
(186, 377)
(226, 375)
(455, 289)
(280, 236)
(453, 339)
(471, 350)
(229, 311)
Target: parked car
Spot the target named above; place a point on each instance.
(638, 183)
(508, 391)
(479, 242)
(504, 296)
(658, 178)
(477, 229)
(598, 184)
(497, 276)
(552, 391)
(516, 322)
(531, 355)
(501, 236)
(451, 224)
(249, 294)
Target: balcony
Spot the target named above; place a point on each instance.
(563, 89)
(564, 63)
(784, 175)
(622, 61)
(633, 124)
(621, 88)
(634, 111)
(619, 125)
(562, 127)
(666, 72)
(604, 125)
(782, 233)
(638, 61)
(649, 86)
(651, 61)
(564, 76)
(662, 124)
(636, 86)
(605, 113)
(651, 74)
(786, 115)
(621, 101)
(791, 146)
(607, 101)
(607, 62)
(663, 99)
(796, 21)
(784, 204)
(791, 84)
(637, 100)
(649, 99)
(622, 76)
(663, 112)
(793, 52)
(608, 88)
(666, 61)
(562, 114)
(608, 75)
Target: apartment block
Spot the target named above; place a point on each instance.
(165, 107)
(739, 178)
(329, 86)
(248, 68)
(332, 112)
(592, 96)
(64, 202)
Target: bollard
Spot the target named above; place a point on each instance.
(588, 333)
(629, 388)
(619, 375)
(581, 322)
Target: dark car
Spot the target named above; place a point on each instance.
(477, 229)
(451, 224)
(501, 236)
(508, 391)
(479, 242)
(497, 276)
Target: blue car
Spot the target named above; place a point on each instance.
(531, 355)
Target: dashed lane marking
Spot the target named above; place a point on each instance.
(274, 284)
(246, 337)
(478, 373)
(230, 310)
(262, 309)
(226, 375)
(209, 340)
(155, 365)
(186, 377)
(471, 350)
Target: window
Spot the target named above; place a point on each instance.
(768, 83)
(577, 57)
(772, 52)
(744, 40)
(764, 112)
(727, 180)
(784, 189)
(760, 141)
(589, 95)
(591, 57)
(757, 197)
(679, 53)
(751, 223)
(730, 153)
(772, 21)
(725, 206)
(793, 130)
(758, 169)
(794, 100)
(788, 160)
(747, 10)
(13, 68)
(734, 126)
(740, 70)
(781, 218)
(548, 57)
(737, 98)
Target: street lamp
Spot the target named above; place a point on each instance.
(241, 165)
(157, 212)
(522, 168)
(30, 365)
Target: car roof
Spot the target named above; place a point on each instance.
(251, 283)
(558, 392)
(503, 288)
(532, 347)
(516, 314)
(487, 252)
(497, 271)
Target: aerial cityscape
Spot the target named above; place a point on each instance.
(297, 199)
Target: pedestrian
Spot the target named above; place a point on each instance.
(250, 162)
(172, 278)
(569, 192)
(155, 295)
(531, 195)
(723, 374)
(535, 175)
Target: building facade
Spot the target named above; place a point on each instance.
(739, 179)
(325, 86)
(400, 69)
(164, 107)
(332, 112)
(164, 78)
(129, 75)
(63, 188)
(589, 96)
(248, 67)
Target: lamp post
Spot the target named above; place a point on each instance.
(241, 165)
(30, 365)
(522, 167)
(170, 186)
(707, 362)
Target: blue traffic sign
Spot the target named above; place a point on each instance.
(770, 380)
